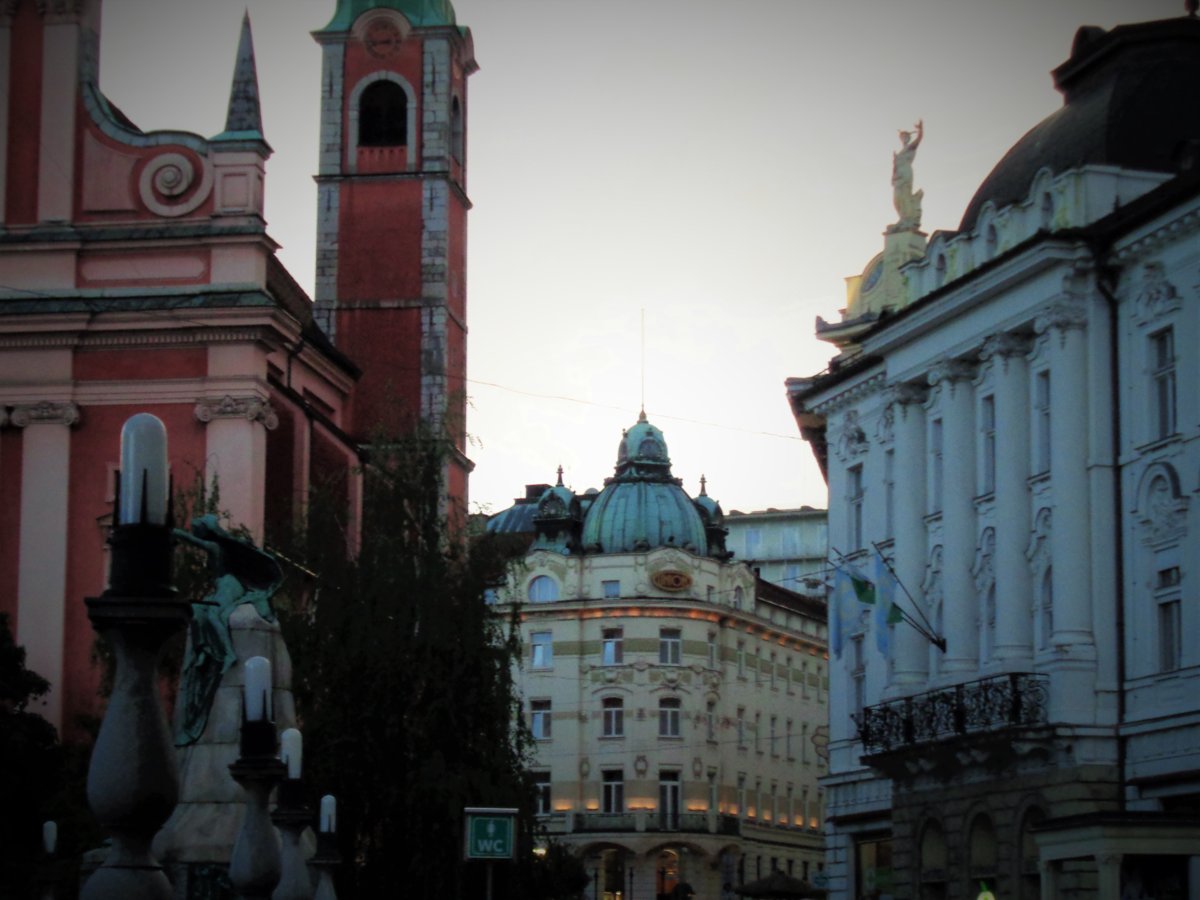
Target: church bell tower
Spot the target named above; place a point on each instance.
(392, 215)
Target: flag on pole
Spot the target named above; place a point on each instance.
(837, 636)
(887, 613)
(850, 587)
(859, 584)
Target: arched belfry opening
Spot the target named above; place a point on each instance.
(383, 115)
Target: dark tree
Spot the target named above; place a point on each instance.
(403, 679)
(41, 780)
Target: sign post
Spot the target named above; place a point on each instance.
(490, 833)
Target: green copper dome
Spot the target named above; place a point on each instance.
(421, 13)
(642, 506)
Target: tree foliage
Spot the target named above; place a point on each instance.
(403, 679)
(43, 779)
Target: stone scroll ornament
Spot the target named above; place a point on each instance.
(241, 574)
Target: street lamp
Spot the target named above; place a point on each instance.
(255, 864)
(133, 783)
(326, 858)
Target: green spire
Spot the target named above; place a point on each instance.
(421, 13)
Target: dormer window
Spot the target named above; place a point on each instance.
(939, 270)
(383, 115)
(990, 242)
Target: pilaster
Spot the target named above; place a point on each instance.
(1014, 629)
(1064, 325)
(911, 648)
(42, 556)
(5, 89)
(953, 380)
(60, 85)
(236, 454)
(435, 106)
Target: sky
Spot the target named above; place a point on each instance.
(667, 193)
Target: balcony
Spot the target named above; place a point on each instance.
(643, 820)
(983, 715)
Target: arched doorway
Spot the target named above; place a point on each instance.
(666, 874)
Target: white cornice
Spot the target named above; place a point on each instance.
(972, 291)
(849, 393)
(1165, 230)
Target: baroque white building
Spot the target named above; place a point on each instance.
(676, 700)
(1020, 435)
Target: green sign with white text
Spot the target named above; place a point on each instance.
(490, 833)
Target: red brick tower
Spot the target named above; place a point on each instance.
(392, 214)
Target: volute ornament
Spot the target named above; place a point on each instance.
(1062, 315)
(229, 407)
(45, 413)
(1004, 346)
(950, 371)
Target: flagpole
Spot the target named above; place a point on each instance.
(926, 629)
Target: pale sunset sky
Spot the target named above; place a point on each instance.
(717, 168)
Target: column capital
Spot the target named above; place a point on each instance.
(253, 409)
(1004, 346)
(46, 412)
(951, 371)
(1063, 314)
(907, 393)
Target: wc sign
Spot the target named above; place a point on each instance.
(490, 833)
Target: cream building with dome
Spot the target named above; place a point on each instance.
(1019, 433)
(678, 703)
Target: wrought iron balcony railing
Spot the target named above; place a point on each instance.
(976, 707)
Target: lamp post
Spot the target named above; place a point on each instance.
(133, 783)
(255, 865)
(292, 815)
(326, 858)
(49, 871)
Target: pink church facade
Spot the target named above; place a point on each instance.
(136, 274)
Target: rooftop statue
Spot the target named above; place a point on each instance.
(241, 574)
(907, 202)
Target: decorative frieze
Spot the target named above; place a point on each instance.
(885, 429)
(1038, 553)
(227, 407)
(45, 413)
(1164, 515)
(1157, 296)
(850, 439)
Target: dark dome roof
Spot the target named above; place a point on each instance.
(1132, 99)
